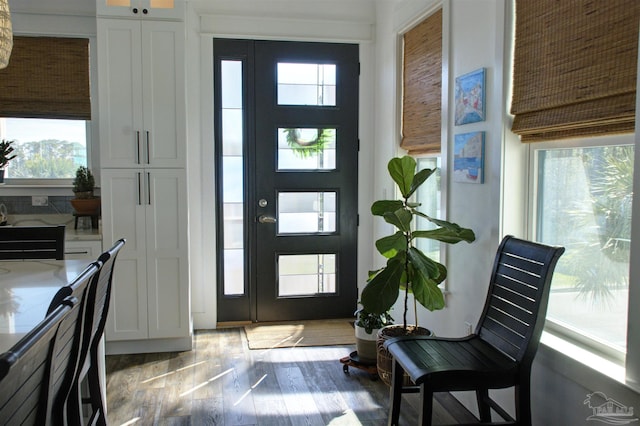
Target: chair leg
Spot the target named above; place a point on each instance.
(426, 413)
(484, 409)
(95, 391)
(395, 394)
(522, 393)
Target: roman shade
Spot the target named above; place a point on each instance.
(422, 87)
(47, 77)
(575, 64)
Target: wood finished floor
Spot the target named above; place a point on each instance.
(223, 382)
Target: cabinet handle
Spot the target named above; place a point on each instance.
(145, 11)
(138, 147)
(139, 188)
(149, 188)
(148, 153)
(135, 10)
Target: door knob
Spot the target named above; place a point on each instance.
(266, 219)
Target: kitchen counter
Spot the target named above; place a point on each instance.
(83, 233)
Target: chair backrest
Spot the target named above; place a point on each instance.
(515, 309)
(25, 373)
(32, 242)
(100, 294)
(68, 347)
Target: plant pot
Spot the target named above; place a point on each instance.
(366, 344)
(384, 357)
(86, 206)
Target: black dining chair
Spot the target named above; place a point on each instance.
(99, 295)
(32, 242)
(69, 348)
(498, 354)
(25, 373)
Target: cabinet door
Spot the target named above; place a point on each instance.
(82, 249)
(123, 215)
(142, 93)
(167, 254)
(163, 83)
(120, 89)
(157, 9)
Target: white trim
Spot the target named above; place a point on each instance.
(269, 28)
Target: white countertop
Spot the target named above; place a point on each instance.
(26, 289)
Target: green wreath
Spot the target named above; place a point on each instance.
(308, 148)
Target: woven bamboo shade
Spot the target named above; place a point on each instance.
(6, 34)
(47, 78)
(422, 87)
(575, 65)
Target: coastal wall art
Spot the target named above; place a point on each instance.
(468, 160)
(469, 97)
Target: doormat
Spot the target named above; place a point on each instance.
(289, 334)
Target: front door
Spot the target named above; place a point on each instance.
(298, 185)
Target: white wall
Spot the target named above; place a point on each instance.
(478, 33)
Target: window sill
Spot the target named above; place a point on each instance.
(593, 361)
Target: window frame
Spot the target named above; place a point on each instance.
(574, 337)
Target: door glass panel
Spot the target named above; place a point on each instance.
(306, 84)
(306, 212)
(306, 149)
(232, 178)
(306, 274)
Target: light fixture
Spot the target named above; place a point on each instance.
(6, 34)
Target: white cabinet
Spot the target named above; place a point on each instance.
(150, 293)
(154, 9)
(82, 249)
(141, 73)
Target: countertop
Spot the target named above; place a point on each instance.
(83, 233)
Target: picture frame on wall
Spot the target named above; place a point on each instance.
(470, 97)
(468, 160)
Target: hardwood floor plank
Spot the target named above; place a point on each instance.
(222, 382)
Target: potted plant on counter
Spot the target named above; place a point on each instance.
(85, 203)
(407, 267)
(5, 156)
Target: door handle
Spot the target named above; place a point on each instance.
(266, 219)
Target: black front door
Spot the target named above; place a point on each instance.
(299, 118)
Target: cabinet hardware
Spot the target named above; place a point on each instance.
(148, 153)
(138, 147)
(135, 10)
(139, 188)
(149, 188)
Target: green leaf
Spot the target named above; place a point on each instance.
(382, 290)
(424, 265)
(400, 218)
(427, 292)
(379, 208)
(401, 171)
(447, 235)
(419, 179)
(389, 246)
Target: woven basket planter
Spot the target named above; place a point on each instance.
(385, 360)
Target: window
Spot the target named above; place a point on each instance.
(45, 148)
(582, 196)
(428, 195)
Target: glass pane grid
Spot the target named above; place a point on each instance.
(306, 84)
(232, 178)
(306, 275)
(306, 149)
(584, 204)
(306, 212)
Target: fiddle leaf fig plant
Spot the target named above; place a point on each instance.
(408, 268)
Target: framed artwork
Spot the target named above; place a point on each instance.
(469, 97)
(468, 160)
